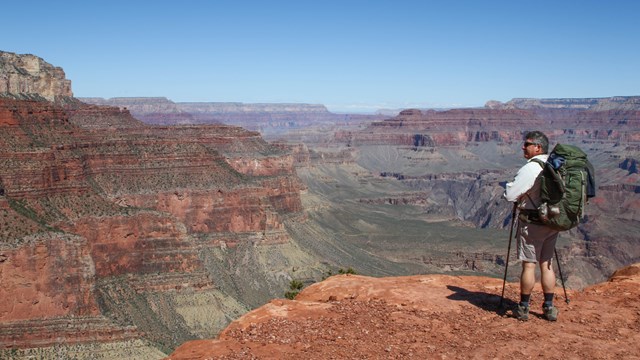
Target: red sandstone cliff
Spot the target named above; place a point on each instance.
(129, 231)
(97, 207)
(460, 126)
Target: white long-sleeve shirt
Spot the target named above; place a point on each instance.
(525, 183)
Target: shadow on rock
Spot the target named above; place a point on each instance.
(483, 300)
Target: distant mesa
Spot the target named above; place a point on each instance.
(411, 112)
(592, 104)
(147, 107)
(162, 104)
(264, 117)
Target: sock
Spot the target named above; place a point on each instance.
(548, 300)
(524, 300)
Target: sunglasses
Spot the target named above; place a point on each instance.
(526, 144)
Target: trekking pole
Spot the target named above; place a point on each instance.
(566, 298)
(504, 279)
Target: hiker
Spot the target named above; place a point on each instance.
(536, 242)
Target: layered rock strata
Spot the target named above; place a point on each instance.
(152, 110)
(460, 126)
(269, 119)
(120, 228)
(423, 143)
(593, 104)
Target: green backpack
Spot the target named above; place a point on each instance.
(567, 181)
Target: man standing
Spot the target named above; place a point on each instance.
(536, 242)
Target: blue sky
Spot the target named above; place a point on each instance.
(350, 55)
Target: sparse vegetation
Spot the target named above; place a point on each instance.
(349, 270)
(341, 271)
(294, 289)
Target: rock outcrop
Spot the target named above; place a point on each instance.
(30, 77)
(429, 316)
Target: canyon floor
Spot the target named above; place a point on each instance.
(432, 317)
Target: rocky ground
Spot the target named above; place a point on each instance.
(432, 317)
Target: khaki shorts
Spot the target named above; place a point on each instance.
(536, 243)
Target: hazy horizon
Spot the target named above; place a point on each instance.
(351, 56)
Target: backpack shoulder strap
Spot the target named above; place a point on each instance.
(540, 162)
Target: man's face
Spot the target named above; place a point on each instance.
(531, 148)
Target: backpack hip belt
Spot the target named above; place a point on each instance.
(531, 216)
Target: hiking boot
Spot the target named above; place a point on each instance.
(521, 312)
(550, 313)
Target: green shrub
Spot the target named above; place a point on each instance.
(294, 289)
(349, 270)
(341, 271)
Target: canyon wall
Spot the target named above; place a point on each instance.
(592, 104)
(115, 232)
(455, 160)
(460, 126)
(151, 210)
(272, 120)
(152, 110)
